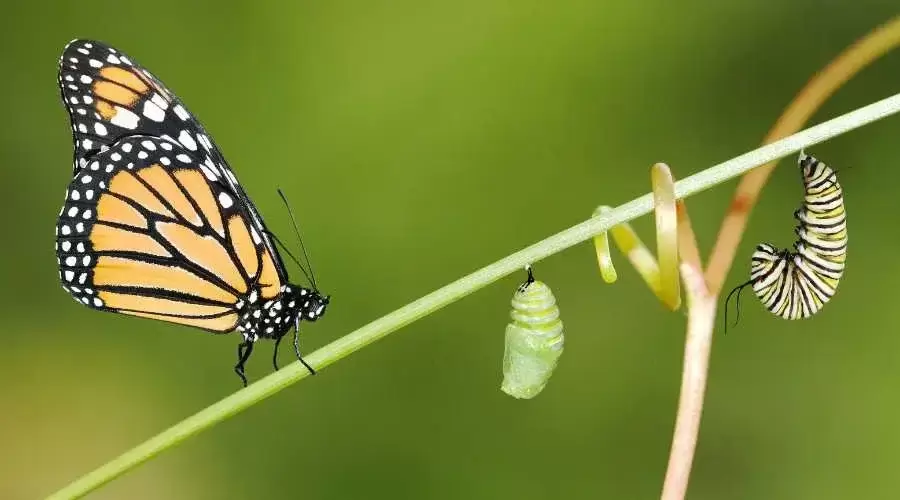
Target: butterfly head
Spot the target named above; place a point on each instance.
(310, 304)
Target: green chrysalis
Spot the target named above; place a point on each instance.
(534, 340)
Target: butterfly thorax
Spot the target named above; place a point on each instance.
(271, 319)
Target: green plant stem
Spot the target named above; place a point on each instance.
(448, 294)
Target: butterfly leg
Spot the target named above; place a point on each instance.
(244, 350)
(297, 351)
(275, 353)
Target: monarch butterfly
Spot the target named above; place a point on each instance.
(155, 223)
(534, 340)
(797, 284)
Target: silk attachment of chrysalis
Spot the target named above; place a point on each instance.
(534, 340)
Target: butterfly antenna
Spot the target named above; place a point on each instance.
(289, 254)
(737, 289)
(312, 275)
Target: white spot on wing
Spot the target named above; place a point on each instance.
(159, 101)
(204, 141)
(208, 173)
(212, 167)
(187, 140)
(125, 118)
(181, 112)
(154, 112)
(225, 200)
(231, 176)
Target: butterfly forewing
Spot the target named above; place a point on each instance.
(110, 96)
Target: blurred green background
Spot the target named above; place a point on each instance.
(409, 136)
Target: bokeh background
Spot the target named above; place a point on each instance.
(420, 141)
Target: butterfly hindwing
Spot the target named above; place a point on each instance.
(147, 229)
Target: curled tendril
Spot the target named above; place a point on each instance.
(661, 274)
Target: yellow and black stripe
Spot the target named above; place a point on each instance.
(797, 283)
